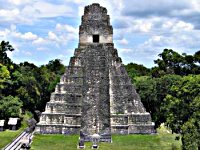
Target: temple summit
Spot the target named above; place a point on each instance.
(95, 95)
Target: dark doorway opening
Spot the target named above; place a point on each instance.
(95, 38)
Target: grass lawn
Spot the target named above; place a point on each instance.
(161, 141)
(8, 136)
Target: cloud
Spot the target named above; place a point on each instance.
(177, 26)
(44, 9)
(123, 41)
(39, 41)
(19, 2)
(66, 28)
(29, 36)
(142, 25)
(187, 11)
(125, 50)
(52, 36)
(146, 8)
(61, 35)
(4, 33)
(65, 33)
(13, 33)
(121, 23)
(28, 12)
(9, 15)
(187, 42)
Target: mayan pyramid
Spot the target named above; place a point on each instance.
(95, 95)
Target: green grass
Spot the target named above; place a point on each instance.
(161, 141)
(8, 136)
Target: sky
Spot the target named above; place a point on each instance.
(43, 30)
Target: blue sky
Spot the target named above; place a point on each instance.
(42, 30)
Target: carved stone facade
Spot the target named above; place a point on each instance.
(95, 95)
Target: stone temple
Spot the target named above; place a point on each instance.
(95, 95)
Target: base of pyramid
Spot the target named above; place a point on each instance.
(133, 129)
(115, 129)
(132, 123)
(57, 129)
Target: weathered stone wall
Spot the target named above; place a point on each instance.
(95, 21)
(96, 105)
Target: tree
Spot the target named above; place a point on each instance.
(10, 107)
(4, 76)
(30, 84)
(48, 76)
(180, 101)
(156, 72)
(47, 82)
(27, 88)
(134, 70)
(153, 91)
(56, 66)
(146, 87)
(191, 132)
(4, 47)
(170, 62)
(197, 57)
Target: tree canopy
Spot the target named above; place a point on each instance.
(170, 91)
(171, 62)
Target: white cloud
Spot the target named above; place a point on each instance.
(181, 25)
(177, 26)
(125, 50)
(28, 12)
(123, 41)
(9, 15)
(4, 33)
(26, 36)
(19, 2)
(13, 33)
(29, 36)
(156, 38)
(64, 33)
(67, 28)
(179, 41)
(45, 10)
(52, 36)
(144, 26)
(39, 41)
